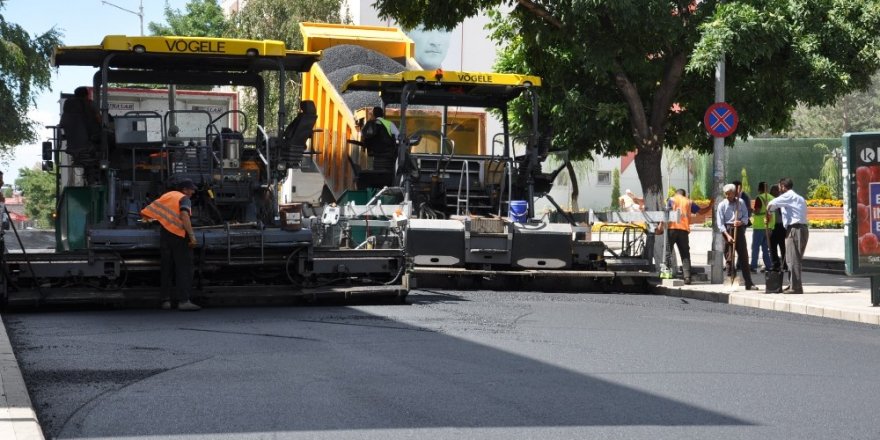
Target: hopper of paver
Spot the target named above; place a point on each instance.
(347, 50)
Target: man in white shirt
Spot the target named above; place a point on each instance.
(629, 202)
(794, 218)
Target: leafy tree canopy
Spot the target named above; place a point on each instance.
(24, 72)
(855, 112)
(279, 20)
(203, 18)
(38, 187)
(625, 75)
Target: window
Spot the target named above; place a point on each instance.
(603, 178)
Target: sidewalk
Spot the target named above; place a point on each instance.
(18, 421)
(827, 295)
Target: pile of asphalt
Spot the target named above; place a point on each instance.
(341, 62)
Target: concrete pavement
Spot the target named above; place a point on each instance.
(18, 420)
(826, 295)
(834, 296)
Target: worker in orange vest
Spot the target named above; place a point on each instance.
(176, 240)
(679, 231)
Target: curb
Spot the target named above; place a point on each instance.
(18, 420)
(770, 303)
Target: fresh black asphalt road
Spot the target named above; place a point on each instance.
(453, 365)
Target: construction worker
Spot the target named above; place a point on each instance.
(760, 229)
(731, 219)
(379, 137)
(176, 240)
(679, 231)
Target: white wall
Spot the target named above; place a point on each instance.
(596, 196)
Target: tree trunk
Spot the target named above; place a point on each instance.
(651, 177)
(572, 176)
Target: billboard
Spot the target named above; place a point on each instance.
(861, 178)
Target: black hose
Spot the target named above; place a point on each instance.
(287, 266)
(24, 253)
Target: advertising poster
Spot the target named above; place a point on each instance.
(862, 179)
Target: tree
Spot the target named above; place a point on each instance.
(615, 190)
(857, 111)
(744, 178)
(279, 20)
(575, 172)
(38, 188)
(829, 185)
(24, 72)
(203, 18)
(622, 76)
(676, 159)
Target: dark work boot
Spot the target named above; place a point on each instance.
(686, 270)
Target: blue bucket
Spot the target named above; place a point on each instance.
(519, 211)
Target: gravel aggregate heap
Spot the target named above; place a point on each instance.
(341, 62)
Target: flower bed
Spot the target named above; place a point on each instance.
(820, 213)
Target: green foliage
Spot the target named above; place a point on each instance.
(620, 65)
(702, 171)
(203, 18)
(7, 191)
(830, 173)
(771, 159)
(615, 190)
(434, 14)
(855, 112)
(24, 72)
(671, 191)
(744, 178)
(819, 190)
(38, 188)
(697, 193)
(279, 20)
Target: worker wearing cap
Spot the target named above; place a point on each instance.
(176, 240)
(731, 219)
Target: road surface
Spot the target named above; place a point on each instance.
(452, 365)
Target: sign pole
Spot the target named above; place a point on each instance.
(716, 260)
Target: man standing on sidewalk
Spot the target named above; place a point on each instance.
(731, 219)
(777, 237)
(679, 232)
(760, 228)
(794, 218)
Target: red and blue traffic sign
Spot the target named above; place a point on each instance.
(721, 119)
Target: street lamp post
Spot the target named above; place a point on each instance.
(139, 13)
(689, 157)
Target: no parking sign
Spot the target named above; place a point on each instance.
(721, 119)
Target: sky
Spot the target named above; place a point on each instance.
(81, 22)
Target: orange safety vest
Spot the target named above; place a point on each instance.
(683, 205)
(166, 210)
